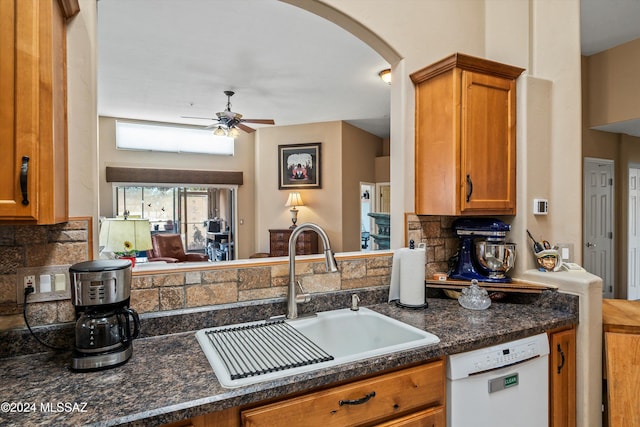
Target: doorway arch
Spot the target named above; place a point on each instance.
(401, 178)
(344, 21)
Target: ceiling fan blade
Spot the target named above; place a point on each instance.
(245, 128)
(213, 126)
(260, 121)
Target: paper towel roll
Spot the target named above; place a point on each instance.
(407, 276)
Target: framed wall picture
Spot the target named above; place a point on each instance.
(299, 166)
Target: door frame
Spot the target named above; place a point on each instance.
(373, 205)
(629, 248)
(379, 204)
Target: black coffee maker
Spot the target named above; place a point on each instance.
(105, 324)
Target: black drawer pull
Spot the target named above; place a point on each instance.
(24, 175)
(360, 401)
(469, 188)
(561, 355)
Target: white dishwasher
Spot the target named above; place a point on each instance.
(506, 385)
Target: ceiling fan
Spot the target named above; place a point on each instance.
(229, 122)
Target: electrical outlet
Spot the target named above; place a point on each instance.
(50, 283)
(30, 280)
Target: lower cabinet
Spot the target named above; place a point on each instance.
(562, 377)
(391, 396)
(411, 397)
(427, 418)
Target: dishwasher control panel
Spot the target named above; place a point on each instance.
(496, 357)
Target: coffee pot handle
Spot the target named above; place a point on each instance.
(136, 325)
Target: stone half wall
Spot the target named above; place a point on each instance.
(225, 284)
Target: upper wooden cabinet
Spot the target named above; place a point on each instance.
(465, 148)
(33, 110)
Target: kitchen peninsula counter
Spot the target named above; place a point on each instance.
(169, 378)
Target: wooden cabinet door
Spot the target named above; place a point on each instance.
(33, 114)
(488, 143)
(18, 108)
(562, 378)
(465, 149)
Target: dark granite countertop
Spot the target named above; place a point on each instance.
(169, 378)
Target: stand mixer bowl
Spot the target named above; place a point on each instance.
(496, 258)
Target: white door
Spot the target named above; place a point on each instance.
(384, 197)
(598, 221)
(633, 249)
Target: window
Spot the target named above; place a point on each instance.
(182, 210)
(175, 139)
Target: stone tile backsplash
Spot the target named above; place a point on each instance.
(69, 243)
(34, 246)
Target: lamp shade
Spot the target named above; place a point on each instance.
(115, 232)
(294, 199)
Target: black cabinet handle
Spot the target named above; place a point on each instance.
(469, 188)
(561, 355)
(360, 401)
(24, 175)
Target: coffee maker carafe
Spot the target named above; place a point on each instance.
(105, 324)
(483, 254)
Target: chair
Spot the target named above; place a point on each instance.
(169, 248)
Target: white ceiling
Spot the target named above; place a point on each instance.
(163, 59)
(159, 60)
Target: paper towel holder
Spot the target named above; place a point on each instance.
(414, 307)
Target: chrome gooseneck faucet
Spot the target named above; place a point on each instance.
(292, 298)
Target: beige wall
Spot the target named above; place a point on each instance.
(334, 207)
(242, 160)
(541, 36)
(320, 205)
(260, 203)
(611, 94)
(613, 84)
(359, 152)
(82, 112)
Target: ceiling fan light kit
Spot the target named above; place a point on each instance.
(229, 122)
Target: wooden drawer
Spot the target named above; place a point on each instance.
(396, 394)
(433, 417)
(307, 242)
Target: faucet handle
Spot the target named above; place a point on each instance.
(302, 297)
(355, 299)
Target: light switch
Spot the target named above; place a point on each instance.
(45, 283)
(60, 282)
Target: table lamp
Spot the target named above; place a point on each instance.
(125, 237)
(294, 200)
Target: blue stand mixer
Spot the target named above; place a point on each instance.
(483, 254)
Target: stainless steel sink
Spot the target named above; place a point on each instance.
(253, 352)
